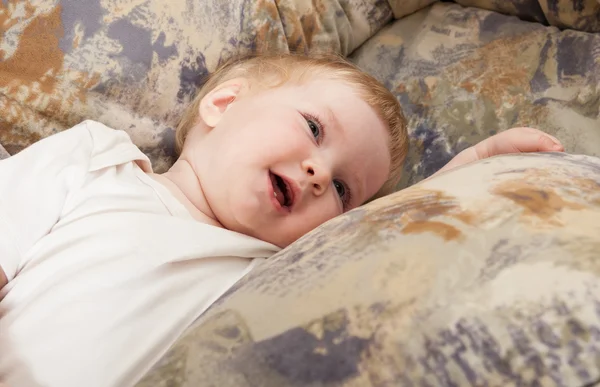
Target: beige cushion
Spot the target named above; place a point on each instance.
(582, 15)
(463, 74)
(488, 275)
(402, 8)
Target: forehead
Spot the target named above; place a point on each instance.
(336, 95)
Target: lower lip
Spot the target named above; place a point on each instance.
(274, 201)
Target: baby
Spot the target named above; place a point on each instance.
(103, 264)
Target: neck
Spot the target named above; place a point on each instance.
(182, 181)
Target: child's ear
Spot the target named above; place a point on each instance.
(214, 104)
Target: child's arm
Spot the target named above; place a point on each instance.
(34, 187)
(516, 140)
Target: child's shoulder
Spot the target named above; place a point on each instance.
(89, 132)
(99, 131)
(111, 146)
(90, 144)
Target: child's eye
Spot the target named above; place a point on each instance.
(314, 128)
(343, 192)
(340, 189)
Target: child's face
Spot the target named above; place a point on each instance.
(279, 163)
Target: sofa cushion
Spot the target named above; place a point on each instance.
(582, 15)
(463, 74)
(402, 8)
(3, 153)
(331, 25)
(488, 275)
(530, 10)
(135, 65)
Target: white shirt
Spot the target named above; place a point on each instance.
(105, 267)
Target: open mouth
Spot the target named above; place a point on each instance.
(282, 190)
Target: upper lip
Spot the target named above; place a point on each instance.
(293, 191)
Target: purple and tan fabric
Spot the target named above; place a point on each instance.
(530, 10)
(403, 8)
(3, 153)
(582, 15)
(488, 275)
(463, 74)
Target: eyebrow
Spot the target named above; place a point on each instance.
(358, 188)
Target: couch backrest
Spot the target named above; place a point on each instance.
(3, 153)
(402, 8)
(337, 25)
(582, 15)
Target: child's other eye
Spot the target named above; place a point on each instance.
(340, 189)
(343, 192)
(315, 127)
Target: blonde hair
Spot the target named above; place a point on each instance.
(268, 71)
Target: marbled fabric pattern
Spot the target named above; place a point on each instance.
(457, 281)
(524, 9)
(463, 74)
(3, 153)
(582, 15)
(135, 66)
(402, 8)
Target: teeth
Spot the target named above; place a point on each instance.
(275, 194)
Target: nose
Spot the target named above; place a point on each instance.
(318, 176)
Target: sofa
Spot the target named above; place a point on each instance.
(487, 275)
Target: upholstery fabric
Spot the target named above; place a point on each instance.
(463, 74)
(487, 275)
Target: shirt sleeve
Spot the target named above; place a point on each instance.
(34, 186)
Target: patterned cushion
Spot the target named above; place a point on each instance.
(3, 153)
(525, 9)
(458, 281)
(463, 74)
(402, 8)
(134, 65)
(582, 15)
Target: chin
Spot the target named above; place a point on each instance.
(268, 237)
(279, 241)
(247, 225)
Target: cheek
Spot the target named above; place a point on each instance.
(273, 127)
(281, 144)
(319, 214)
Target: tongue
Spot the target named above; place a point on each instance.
(278, 193)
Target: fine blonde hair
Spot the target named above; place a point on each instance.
(268, 71)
